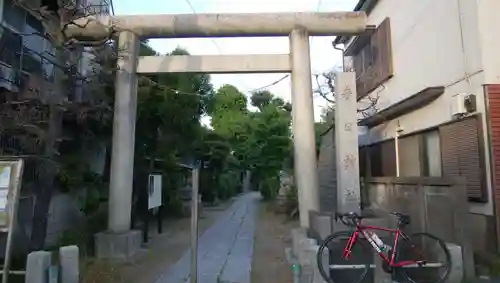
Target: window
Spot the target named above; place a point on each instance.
(383, 159)
(420, 155)
(375, 154)
(410, 153)
(363, 161)
(13, 15)
(431, 154)
(10, 48)
(372, 58)
(23, 47)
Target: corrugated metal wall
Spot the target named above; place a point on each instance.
(493, 95)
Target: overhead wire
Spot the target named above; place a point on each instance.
(271, 84)
(318, 7)
(194, 11)
(177, 91)
(191, 6)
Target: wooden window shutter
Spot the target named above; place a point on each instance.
(461, 155)
(381, 51)
(389, 158)
(382, 46)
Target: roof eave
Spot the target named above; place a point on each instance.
(362, 5)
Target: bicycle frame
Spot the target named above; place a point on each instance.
(390, 258)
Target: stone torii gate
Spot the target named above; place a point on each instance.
(119, 241)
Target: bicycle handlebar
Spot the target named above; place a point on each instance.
(348, 219)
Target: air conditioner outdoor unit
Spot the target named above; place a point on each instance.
(458, 105)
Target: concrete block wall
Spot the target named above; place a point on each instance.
(327, 173)
(64, 214)
(304, 251)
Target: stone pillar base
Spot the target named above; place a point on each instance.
(117, 246)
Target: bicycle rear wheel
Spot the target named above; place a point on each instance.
(352, 270)
(430, 257)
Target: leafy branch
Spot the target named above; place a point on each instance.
(325, 83)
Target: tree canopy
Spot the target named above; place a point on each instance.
(261, 139)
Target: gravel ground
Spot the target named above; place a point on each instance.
(273, 235)
(269, 265)
(161, 251)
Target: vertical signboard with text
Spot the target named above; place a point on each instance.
(154, 187)
(5, 177)
(10, 185)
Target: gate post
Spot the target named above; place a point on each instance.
(119, 242)
(304, 136)
(122, 156)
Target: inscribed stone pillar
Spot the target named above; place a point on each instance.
(346, 142)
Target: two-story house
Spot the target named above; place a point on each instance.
(435, 66)
(27, 56)
(27, 67)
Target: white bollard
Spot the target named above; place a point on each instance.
(457, 266)
(69, 262)
(37, 266)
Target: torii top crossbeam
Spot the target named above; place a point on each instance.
(222, 25)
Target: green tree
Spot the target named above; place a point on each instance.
(168, 121)
(260, 140)
(269, 144)
(215, 152)
(229, 112)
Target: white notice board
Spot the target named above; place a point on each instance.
(10, 184)
(5, 185)
(154, 189)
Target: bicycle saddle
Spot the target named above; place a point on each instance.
(402, 218)
(349, 215)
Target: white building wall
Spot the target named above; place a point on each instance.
(489, 35)
(434, 43)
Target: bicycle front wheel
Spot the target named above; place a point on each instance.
(341, 270)
(425, 259)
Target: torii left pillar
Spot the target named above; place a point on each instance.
(119, 242)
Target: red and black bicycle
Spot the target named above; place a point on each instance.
(416, 258)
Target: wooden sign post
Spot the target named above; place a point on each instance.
(194, 222)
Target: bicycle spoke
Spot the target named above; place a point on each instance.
(341, 270)
(351, 266)
(423, 258)
(427, 265)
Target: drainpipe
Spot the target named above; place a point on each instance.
(396, 147)
(335, 46)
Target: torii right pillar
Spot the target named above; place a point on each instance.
(346, 143)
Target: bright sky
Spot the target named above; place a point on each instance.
(323, 56)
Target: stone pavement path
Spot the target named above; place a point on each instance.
(225, 250)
